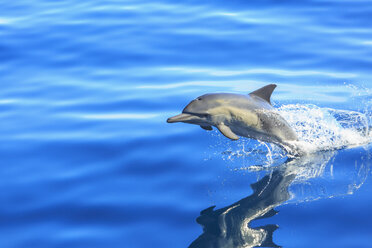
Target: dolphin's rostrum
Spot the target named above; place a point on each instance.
(235, 115)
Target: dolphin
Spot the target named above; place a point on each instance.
(235, 115)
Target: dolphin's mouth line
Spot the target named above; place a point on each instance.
(196, 114)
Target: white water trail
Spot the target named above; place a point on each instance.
(323, 129)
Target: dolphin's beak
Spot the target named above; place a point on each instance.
(180, 118)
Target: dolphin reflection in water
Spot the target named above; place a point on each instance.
(230, 227)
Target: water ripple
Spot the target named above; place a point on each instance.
(87, 157)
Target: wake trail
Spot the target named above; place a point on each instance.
(324, 129)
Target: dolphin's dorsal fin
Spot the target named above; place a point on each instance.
(264, 92)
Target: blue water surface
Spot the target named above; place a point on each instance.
(88, 160)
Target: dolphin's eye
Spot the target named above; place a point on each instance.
(198, 99)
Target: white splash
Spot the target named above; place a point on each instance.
(323, 129)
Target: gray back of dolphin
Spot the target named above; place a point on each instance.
(235, 115)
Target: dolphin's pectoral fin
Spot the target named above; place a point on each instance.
(225, 130)
(209, 128)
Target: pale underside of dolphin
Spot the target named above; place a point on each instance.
(235, 115)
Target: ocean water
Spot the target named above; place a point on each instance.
(88, 160)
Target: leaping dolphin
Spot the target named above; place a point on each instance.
(235, 115)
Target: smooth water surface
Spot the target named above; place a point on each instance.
(88, 159)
